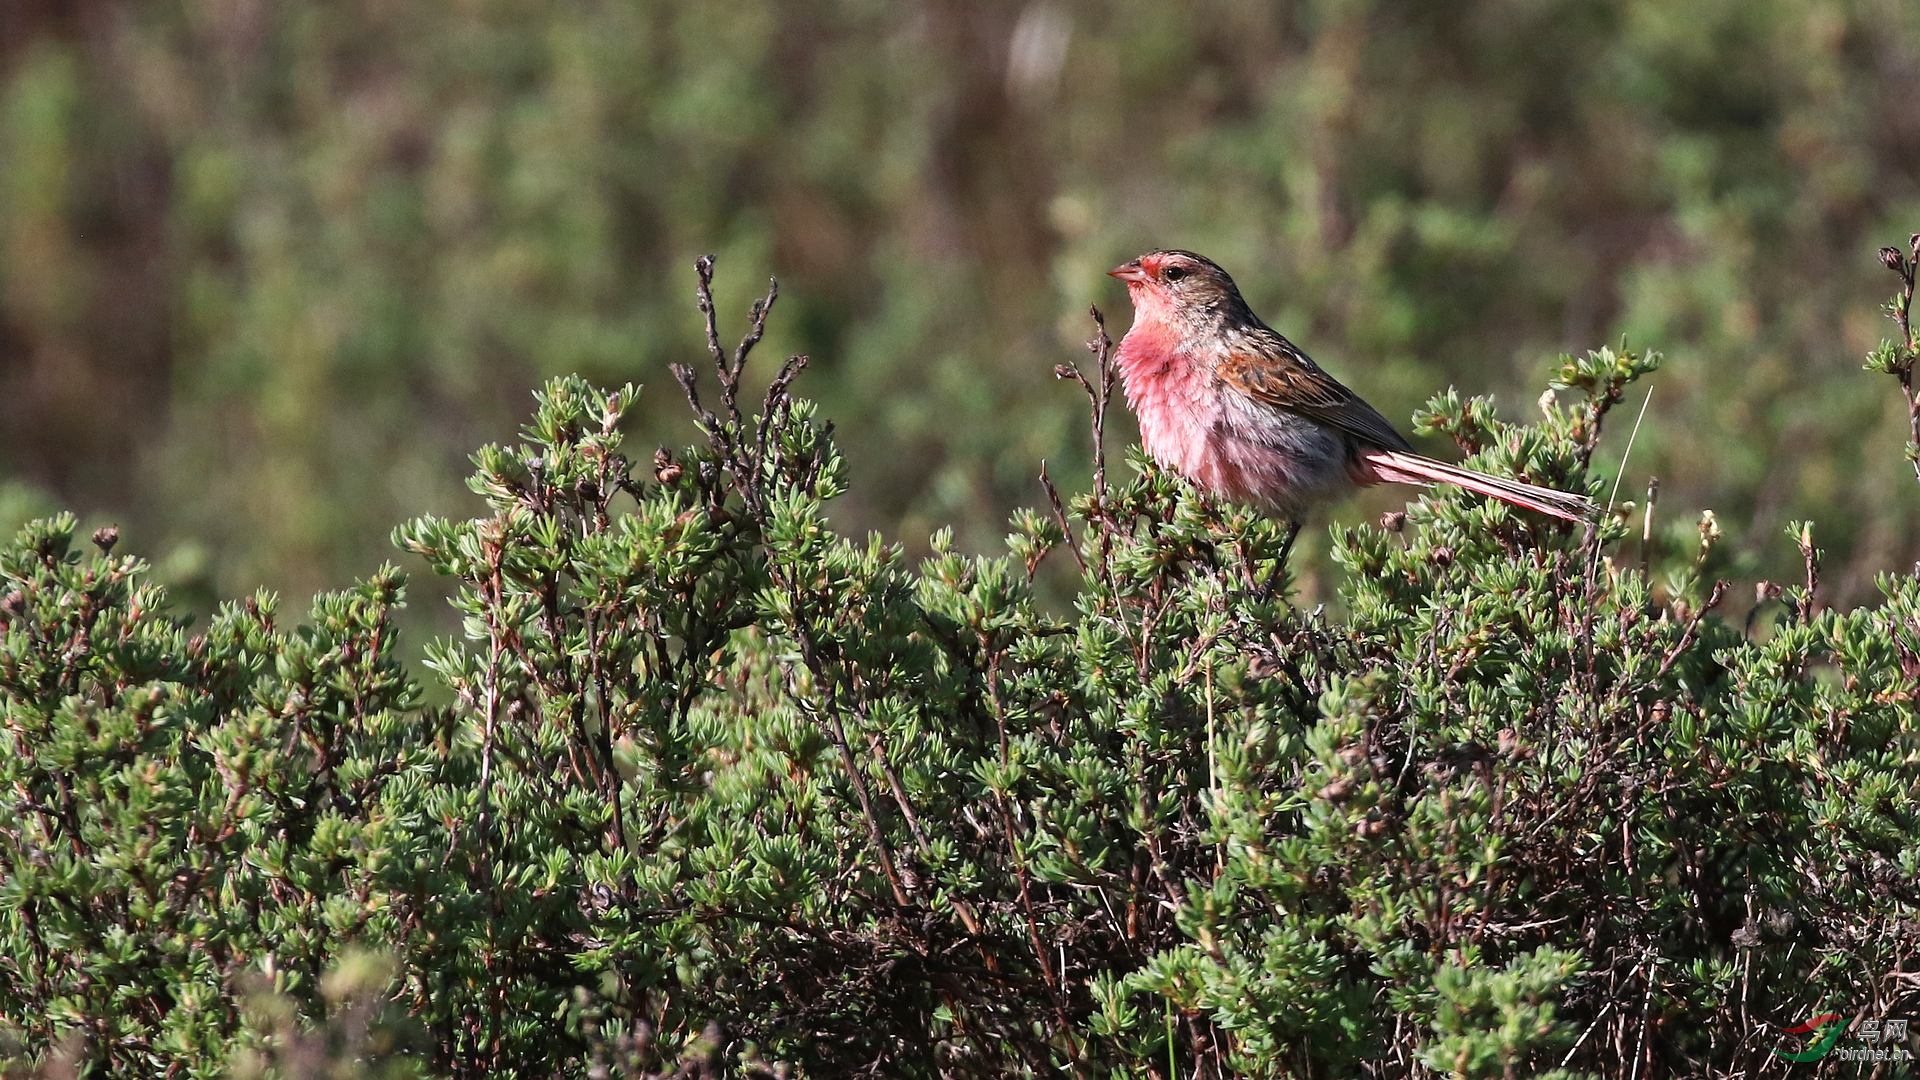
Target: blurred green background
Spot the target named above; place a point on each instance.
(269, 271)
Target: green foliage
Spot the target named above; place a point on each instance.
(184, 813)
(718, 784)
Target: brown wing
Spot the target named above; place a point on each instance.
(1270, 369)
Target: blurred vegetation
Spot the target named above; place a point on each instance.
(268, 271)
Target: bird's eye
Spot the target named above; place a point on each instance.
(1174, 273)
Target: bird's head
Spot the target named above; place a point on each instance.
(1179, 287)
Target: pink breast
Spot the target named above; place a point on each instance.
(1242, 452)
(1169, 393)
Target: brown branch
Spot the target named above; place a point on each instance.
(1060, 517)
(1809, 555)
(960, 906)
(1099, 391)
(1679, 649)
(828, 720)
(1900, 310)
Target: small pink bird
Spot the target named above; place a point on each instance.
(1228, 403)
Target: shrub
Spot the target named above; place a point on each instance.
(186, 816)
(714, 785)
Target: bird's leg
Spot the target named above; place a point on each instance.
(1283, 570)
(1294, 525)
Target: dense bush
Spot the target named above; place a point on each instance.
(710, 787)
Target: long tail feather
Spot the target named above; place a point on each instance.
(1399, 467)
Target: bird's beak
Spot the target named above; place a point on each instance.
(1130, 272)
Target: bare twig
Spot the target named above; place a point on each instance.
(1060, 517)
(1099, 391)
(1810, 556)
(1903, 265)
(1679, 649)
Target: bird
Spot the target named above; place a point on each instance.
(1227, 402)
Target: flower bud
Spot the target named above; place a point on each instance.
(665, 469)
